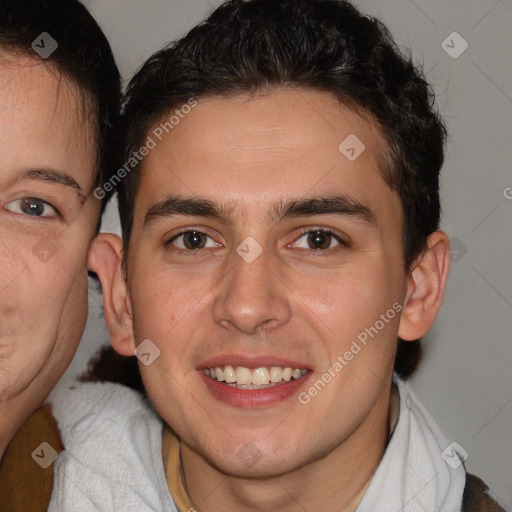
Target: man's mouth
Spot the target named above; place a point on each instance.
(254, 378)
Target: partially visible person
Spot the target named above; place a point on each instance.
(60, 95)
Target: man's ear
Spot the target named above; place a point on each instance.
(425, 288)
(105, 259)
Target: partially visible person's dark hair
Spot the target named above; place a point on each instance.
(245, 47)
(83, 56)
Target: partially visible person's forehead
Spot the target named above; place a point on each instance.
(43, 119)
(26, 80)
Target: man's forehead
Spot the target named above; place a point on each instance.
(282, 117)
(304, 143)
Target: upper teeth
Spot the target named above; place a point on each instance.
(258, 376)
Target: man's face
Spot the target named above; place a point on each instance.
(323, 262)
(46, 222)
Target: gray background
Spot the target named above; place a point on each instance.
(466, 378)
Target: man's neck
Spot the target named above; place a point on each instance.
(335, 481)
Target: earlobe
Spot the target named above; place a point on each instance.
(105, 259)
(425, 288)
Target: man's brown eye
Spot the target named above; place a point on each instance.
(319, 240)
(194, 240)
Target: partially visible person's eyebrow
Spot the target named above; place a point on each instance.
(305, 207)
(54, 176)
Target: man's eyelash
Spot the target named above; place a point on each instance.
(188, 230)
(308, 230)
(325, 231)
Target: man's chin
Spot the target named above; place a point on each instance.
(261, 469)
(247, 461)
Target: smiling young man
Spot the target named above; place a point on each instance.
(280, 237)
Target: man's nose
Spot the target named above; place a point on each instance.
(251, 297)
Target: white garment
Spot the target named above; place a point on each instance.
(113, 457)
(412, 475)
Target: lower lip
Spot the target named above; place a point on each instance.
(252, 398)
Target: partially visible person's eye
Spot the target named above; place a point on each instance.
(319, 240)
(193, 240)
(33, 207)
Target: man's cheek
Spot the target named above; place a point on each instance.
(168, 298)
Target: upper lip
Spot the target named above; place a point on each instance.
(251, 362)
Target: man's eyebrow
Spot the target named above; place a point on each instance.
(54, 176)
(305, 207)
(337, 204)
(196, 207)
